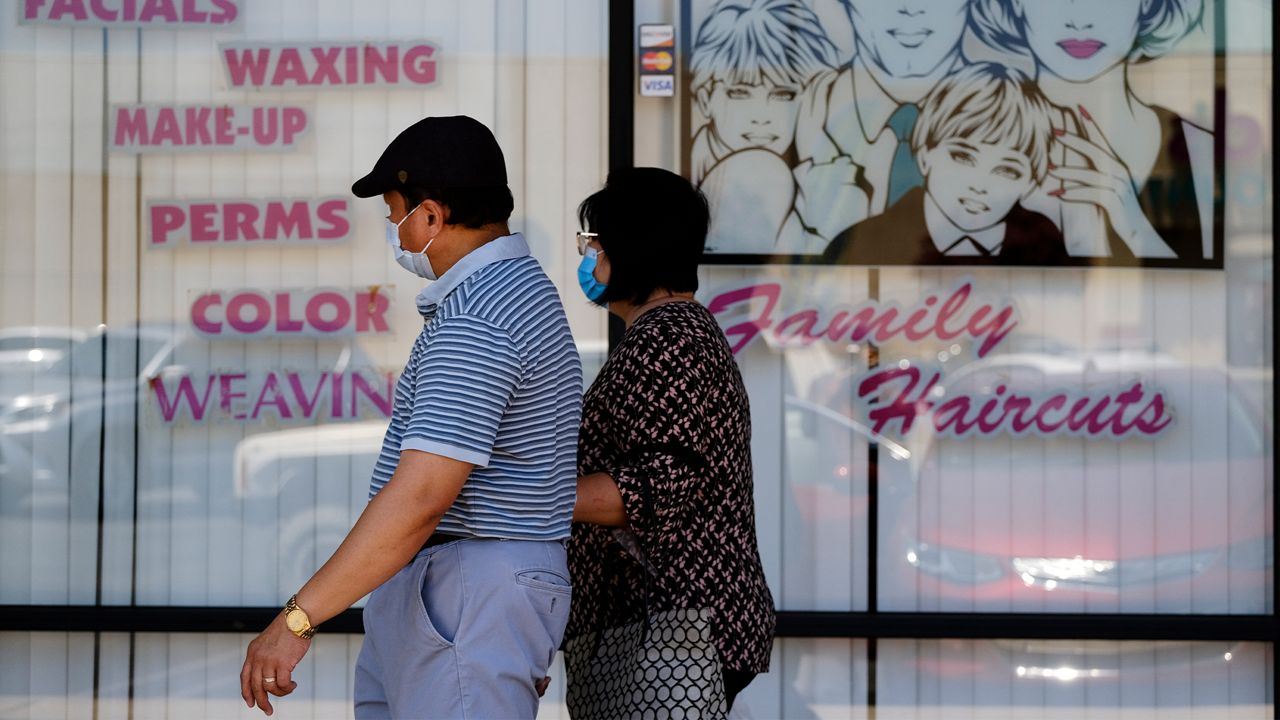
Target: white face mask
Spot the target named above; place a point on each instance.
(417, 263)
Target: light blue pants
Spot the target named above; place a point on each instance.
(464, 631)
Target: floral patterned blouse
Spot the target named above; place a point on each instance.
(668, 420)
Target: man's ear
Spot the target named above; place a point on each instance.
(922, 161)
(437, 216)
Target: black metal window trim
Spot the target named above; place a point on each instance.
(791, 624)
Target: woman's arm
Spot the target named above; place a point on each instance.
(661, 430)
(599, 502)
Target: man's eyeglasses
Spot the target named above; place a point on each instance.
(585, 239)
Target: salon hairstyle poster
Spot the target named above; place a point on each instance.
(957, 132)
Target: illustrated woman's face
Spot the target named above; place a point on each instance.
(754, 116)
(909, 38)
(974, 183)
(1078, 40)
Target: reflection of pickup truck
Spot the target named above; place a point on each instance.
(265, 462)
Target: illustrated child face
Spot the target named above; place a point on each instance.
(976, 183)
(1080, 40)
(909, 38)
(753, 116)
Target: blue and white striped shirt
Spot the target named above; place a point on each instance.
(494, 380)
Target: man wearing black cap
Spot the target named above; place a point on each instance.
(472, 496)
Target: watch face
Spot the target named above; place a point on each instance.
(295, 621)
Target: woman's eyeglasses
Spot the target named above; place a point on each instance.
(585, 239)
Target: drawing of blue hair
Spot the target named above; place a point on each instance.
(750, 41)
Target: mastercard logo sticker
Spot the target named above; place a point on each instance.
(659, 61)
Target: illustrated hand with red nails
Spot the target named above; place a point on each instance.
(1109, 185)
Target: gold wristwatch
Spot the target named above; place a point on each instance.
(296, 619)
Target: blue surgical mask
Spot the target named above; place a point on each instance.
(417, 263)
(591, 287)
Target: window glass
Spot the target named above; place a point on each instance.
(200, 326)
(1054, 416)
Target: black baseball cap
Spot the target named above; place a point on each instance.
(442, 152)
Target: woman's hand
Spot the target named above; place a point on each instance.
(269, 664)
(1108, 185)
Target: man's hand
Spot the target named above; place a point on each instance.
(269, 664)
(388, 534)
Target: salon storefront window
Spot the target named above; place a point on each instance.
(998, 275)
(200, 325)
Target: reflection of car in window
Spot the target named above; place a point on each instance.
(21, 347)
(974, 557)
(28, 352)
(1055, 673)
(822, 464)
(264, 461)
(73, 389)
(52, 430)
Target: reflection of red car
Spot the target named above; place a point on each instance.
(1180, 523)
(826, 462)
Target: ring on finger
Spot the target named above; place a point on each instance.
(268, 680)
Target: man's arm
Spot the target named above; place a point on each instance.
(392, 528)
(390, 531)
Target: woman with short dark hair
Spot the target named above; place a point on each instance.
(665, 517)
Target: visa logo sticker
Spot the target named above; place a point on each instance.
(658, 86)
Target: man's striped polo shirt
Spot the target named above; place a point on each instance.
(494, 380)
